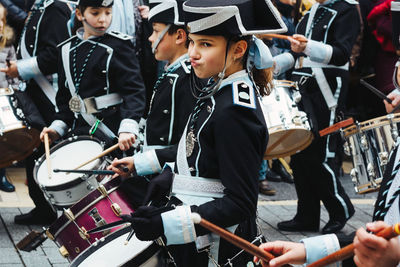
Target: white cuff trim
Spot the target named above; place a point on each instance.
(178, 226)
(59, 126)
(28, 68)
(318, 247)
(129, 126)
(318, 51)
(395, 6)
(146, 163)
(283, 63)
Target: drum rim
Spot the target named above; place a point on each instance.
(107, 239)
(81, 206)
(55, 148)
(372, 124)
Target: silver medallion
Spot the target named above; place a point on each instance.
(190, 140)
(75, 104)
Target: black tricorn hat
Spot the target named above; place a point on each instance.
(166, 11)
(232, 17)
(92, 3)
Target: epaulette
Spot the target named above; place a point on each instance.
(120, 35)
(186, 65)
(47, 3)
(66, 41)
(243, 95)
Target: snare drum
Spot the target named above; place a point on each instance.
(111, 251)
(65, 189)
(101, 206)
(288, 127)
(369, 143)
(17, 141)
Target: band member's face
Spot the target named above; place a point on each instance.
(98, 18)
(163, 50)
(207, 54)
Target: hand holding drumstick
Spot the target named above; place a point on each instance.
(298, 42)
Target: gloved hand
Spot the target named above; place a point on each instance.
(159, 187)
(147, 223)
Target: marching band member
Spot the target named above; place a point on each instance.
(45, 27)
(223, 144)
(321, 70)
(171, 102)
(101, 91)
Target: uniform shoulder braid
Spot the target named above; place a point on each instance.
(120, 35)
(186, 65)
(243, 94)
(67, 41)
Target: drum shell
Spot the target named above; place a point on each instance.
(17, 138)
(288, 127)
(369, 144)
(64, 193)
(65, 232)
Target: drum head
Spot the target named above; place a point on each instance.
(17, 144)
(282, 143)
(111, 251)
(68, 154)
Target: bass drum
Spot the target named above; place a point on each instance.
(17, 139)
(288, 127)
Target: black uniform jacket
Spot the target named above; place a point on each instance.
(45, 28)
(111, 68)
(231, 138)
(171, 106)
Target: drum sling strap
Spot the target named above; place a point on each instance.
(40, 79)
(319, 74)
(89, 118)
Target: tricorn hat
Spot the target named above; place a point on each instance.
(166, 11)
(92, 3)
(232, 17)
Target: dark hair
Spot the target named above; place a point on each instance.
(174, 29)
(77, 23)
(262, 78)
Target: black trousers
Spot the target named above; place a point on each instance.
(315, 168)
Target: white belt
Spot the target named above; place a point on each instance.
(197, 186)
(307, 63)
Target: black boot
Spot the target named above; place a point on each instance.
(36, 217)
(272, 176)
(5, 185)
(281, 170)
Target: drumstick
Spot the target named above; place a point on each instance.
(348, 251)
(234, 239)
(376, 91)
(333, 128)
(47, 151)
(105, 152)
(284, 37)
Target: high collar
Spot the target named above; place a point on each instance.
(177, 61)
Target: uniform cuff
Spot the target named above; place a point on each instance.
(178, 226)
(318, 51)
(28, 68)
(395, 6)
(59, 126)
(318, 247)
(283, 63)
(129, 126)
(146, 163)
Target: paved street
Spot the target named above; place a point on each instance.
(271, 210)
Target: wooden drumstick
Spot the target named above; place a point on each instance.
(284, 37)
(105, 152)
(234, 239)
(348, 251)
(47, 151)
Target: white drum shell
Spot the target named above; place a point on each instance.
(62, 189)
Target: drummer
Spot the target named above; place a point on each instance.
(170, 104)
(223, 144)
(101, 92)
(45, 27)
